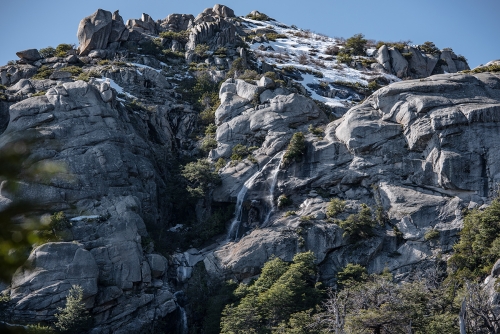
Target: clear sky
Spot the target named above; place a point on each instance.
(470, 27)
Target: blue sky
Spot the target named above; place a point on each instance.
(471, 28)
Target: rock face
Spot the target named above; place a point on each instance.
(94, 30)
(113, 176)
(422, 150)
(52, 269)
(416, 64)
(416, 152)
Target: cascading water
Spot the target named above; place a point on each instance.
(235, 224)
(270, 198)
(238, 213)
(184, 323)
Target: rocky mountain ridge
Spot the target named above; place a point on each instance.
(419, 151)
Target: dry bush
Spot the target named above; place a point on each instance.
(332, 50)
(340, 40)
(318, 62)
(303, 59)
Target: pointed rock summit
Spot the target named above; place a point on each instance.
(94, 30)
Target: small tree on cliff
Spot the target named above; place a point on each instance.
(74, 317)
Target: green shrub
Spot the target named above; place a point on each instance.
(360, 225)
(74, 317)
(296, 148)
(181, 36)
(85, 76)
(356, 45)
(283, 201)
(397, 233)
(221, 52)
(211, 129)
(59, 222)
(315, 131)
(373, 86)
(335, 207)
(274, 36)
(47, 52)
(430, 48)
(489, 68)
(431, 234)
(201, 50)
(208, 143)
(344, 58)
(201, 175)
(172, 54)
(289, 213)
(407, 55)
(281, 291)
(352, 274)
(74, 70)
(221, 163)
(2, 87)
(270, 75)
(39, 329)
(239, 152)
(306, 218)
(103, 62)
(62, 50)
(40, 93)
(43, 72)
(258, 17)
(249, 75)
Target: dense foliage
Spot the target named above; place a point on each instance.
(74, 317)
(201, 175)
(296, 148)
(275, 298)
(479, 245)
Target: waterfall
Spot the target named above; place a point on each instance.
(238, 213)
(270, 198)
(184, 322)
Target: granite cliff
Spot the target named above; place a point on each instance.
(417, 151)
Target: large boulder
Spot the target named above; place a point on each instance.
(94, 31)
(383, 58)
(399, 63)
(52, 269)
(118, 29)
(223, 11)
(29, 55)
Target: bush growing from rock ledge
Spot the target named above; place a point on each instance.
(47, 52)
(352, 274)
(335, 207)
(258, 17)
(359, 226)
(283, 201)
(74, 317)
(356, 45)
(201, 174)
(431, 234)
(296, 148)
(181, 36)
(62, 50)
(43, 72)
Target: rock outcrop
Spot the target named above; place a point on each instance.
(422, 150)
(108, 153)
(411, 62)
(94, 31)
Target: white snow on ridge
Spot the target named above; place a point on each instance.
(115, 86)
(305, 51)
